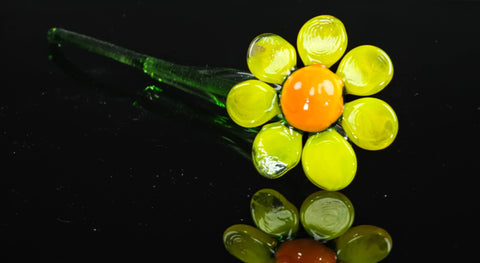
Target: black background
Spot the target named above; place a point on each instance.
(87, 177)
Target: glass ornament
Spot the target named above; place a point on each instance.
(309, 99)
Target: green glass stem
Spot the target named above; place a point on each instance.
(205, 84)
(211, 84)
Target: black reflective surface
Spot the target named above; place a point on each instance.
(87, 176)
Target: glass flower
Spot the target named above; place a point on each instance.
(310, 99)
(326, 216)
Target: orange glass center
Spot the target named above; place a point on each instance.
(312, 99)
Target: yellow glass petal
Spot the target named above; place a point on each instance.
(370, 123)
(276, 149)
(365, 70)
(329, 160)
(323, 40)
(251, 103)
(271, 58)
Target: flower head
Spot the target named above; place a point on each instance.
(310, 99)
